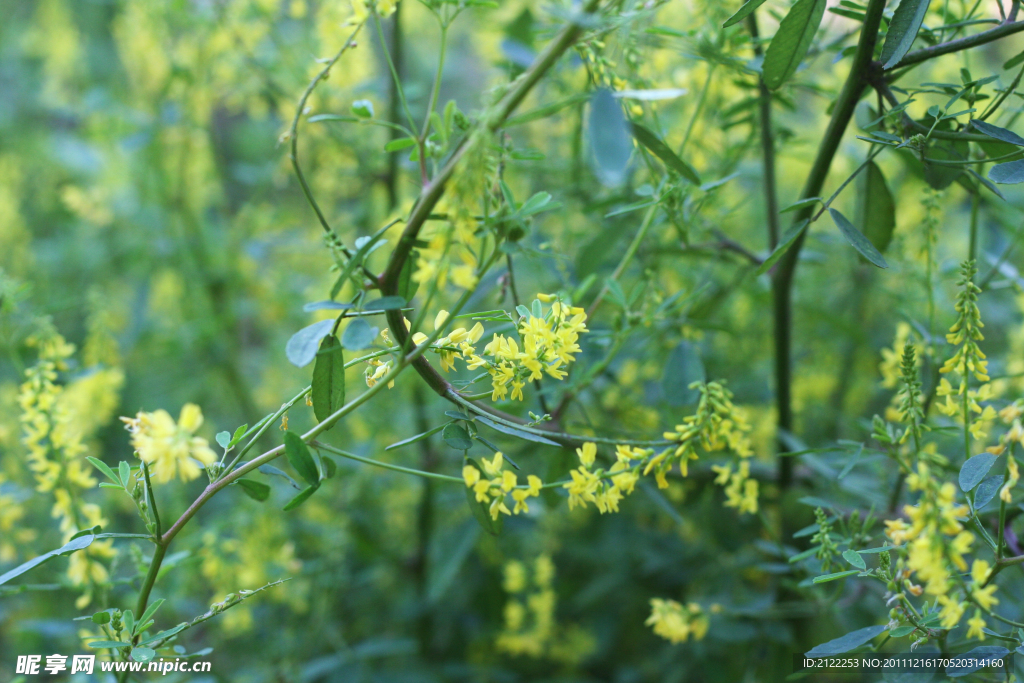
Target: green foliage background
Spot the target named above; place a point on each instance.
(147, 204)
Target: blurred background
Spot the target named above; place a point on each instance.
(149, 213)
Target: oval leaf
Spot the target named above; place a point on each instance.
(743, 12)
(301, 348)
(358, 335)
(610, 146)
(791, 41)
(857, 239)
(987, 490)
(256, 490)
(143, 654)
(903, 28)
(301, 498)
(300, 458)
(846, 643)
(659, 149)
(974, 470)
(1010, 173)
(456, 437)
(328, 386)
(854, 558)
(386, 303)
(875, 212)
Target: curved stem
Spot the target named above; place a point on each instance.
(917, 56)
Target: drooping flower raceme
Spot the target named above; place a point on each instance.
(172, 449)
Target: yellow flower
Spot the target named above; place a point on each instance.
(1011, 467)
(587, 454)
(976, 624)
(984, 597)
(470, 475)
(980, 571)
(172, 449)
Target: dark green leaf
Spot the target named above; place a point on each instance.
(1014, 61)
(970, 661)
(1009, 173)
(358, 335)
(300, 458)
(68, 548)
(987, 490)
(903, 28)
(326, 306)
(791, 41)
(610, 146)
(386, 303)
(511, 431)
(301, 498)
(835, 576)
(101, 618)
(846, 643)
(743, 12)
(857, 239)
(273, 471)
(330, 467)
(414, 439)
(998, 133)
(256, 490)
(785, 242)
(854, 558)
(875, 211)
(659, 149)
(301, 348)
(363, 109)
(456, 437)
(901, 631)
(328, 385)
(974, 470)
(802, 204)
(987, 183)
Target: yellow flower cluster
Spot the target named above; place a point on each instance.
(604, 489)
(361, 9)
(498, 484)
(57, 420)
(530, 628)
(717, 425)
(457, 342)
(549, 345)
(675, 622)
(170, 449)
(936, 543)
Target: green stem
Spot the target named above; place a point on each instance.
(764, 97)
(700, 105)
(782, 281)
(388, 466)
(147, 585)
(1001, 31)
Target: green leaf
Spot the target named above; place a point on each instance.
(481, 511)
(165, 634)
(101, 618)
(1009, 173)
(511, 431)
(791, 42)
(974, 470)
(901, 631)
(835, 576)
(330, 467)
(300, 458)
(399, 144)
(129, 621)
(785, 242)
(302, 347)
(987, 490)
(743, 12)
(610, 146)
(125, 470)
(846, 643)
(456, 437)
(363, 109)
(875, 211)
(301, 498)
(358, 335)
(102, 467)
(223, 439)
(386, 303)
(802, 204)
(998, 133)
(414, 439)
(328, 385)
(971, 661)
(854, 558)
(857, 239)
(151, 610)
(659, 149)
(1014, 61)
(903, 28)
(71, 546)
(256, 490)
(238, 435)
(143, 654)
(534, 204)
(106, 644)
(273, 471)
